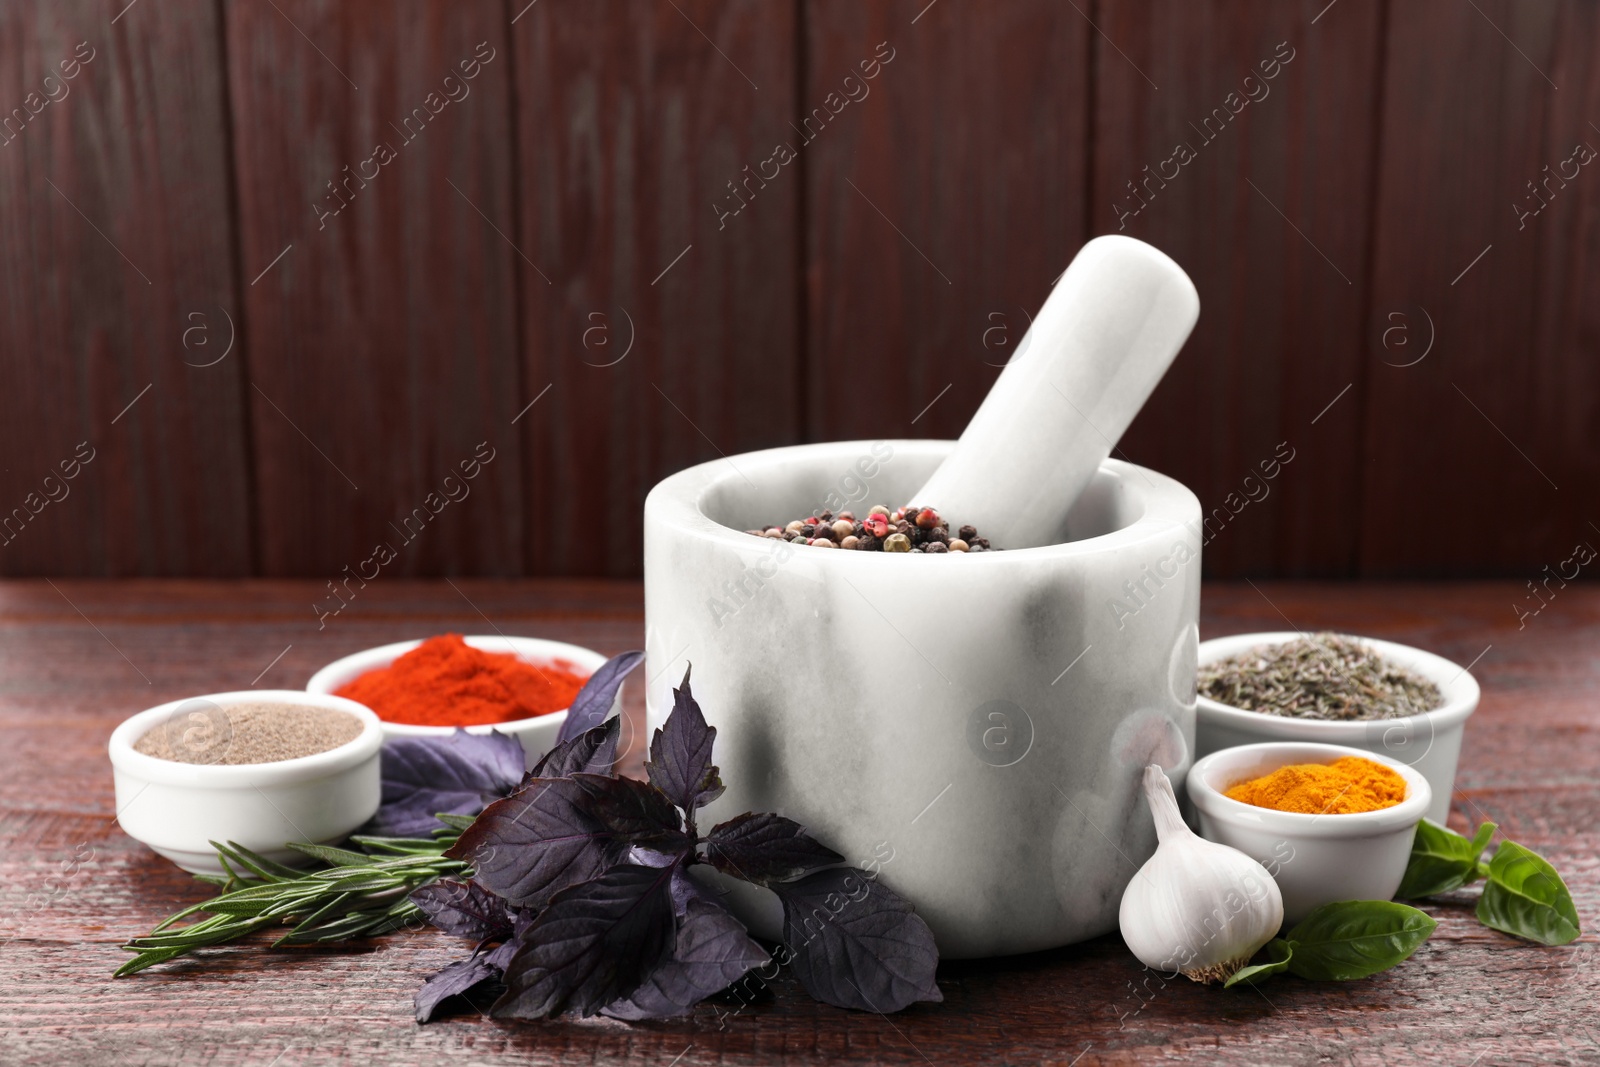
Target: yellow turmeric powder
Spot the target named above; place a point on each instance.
(1345, 786)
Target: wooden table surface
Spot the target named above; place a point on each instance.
(78, 657)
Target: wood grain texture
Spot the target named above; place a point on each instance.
(1269, 216)
(1510, 459)
(383, 344)
(605, 188)
(116, 269)
(940, 206)
(1468, 994)
(665, 331)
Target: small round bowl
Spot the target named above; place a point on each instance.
(179, 808)
(538, 734)
(1430, 742)
(1315, 859)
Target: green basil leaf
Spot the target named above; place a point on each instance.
(1279, 950)
(1525, 897)
(1355, 938)
(1441, 860)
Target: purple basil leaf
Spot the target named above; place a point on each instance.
(594, 944)
(457, 774)
(457, 979)
(712, 953)
(465, 975)
(856, 943)
(464, 909)
(502, 954)
(557, 832)
(623, 801)
(593, 702)
(686, 889)
(591, 752)
(766, 848)
(643, 856)
(680, 754)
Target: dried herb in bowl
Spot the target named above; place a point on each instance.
(1323, 676)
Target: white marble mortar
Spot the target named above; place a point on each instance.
(971, 726)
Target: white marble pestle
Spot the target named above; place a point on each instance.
(1105, 336)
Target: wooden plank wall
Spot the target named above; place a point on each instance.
(117, 259)
(1490, 448)
(664, 319)
(379, 170)
(327, 267)
(940, 206)
(1269, 217)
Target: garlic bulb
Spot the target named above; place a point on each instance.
(1196, 907)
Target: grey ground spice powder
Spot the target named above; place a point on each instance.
(248, 733)
(1323, 676)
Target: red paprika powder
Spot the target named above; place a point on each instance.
(446, 682)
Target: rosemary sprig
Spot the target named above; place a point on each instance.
(360, 894)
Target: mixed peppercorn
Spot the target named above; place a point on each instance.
(907, 529)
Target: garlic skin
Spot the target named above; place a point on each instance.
(1196, 907)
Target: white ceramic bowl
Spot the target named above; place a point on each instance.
(538, 734)
(1430, 742)
(1315, 859)
(179, 808)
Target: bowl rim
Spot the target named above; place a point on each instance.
(346, 668)
(1165, 503)
(1264, 755)
(127, 760)
(1456, 684)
